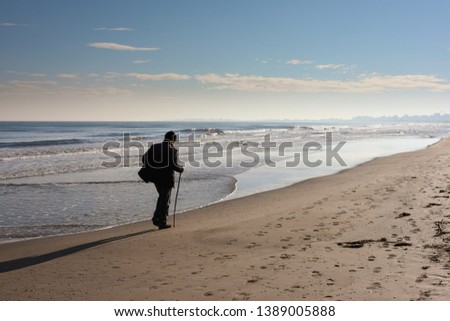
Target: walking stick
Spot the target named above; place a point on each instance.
(176, 199)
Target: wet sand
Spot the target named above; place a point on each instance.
(380, 231)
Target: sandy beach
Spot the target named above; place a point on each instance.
(379, 231)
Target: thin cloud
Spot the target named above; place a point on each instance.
(106, 91)
(32, 82)
(68, 76)
(330, 66)
(298, 62)
(52, 89)
(119, 47)
(114, 29)
(39, 75)
(23, 73)
(337, 67)
(112, 75)
(28, 86)
(15, 72)
(12, 24)
(364, 84)
(165, 76)
(141, 61)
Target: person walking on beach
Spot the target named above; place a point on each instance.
(162, 159)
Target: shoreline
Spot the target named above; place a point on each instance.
(275, 245)
(304, 174)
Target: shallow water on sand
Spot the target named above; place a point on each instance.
(353, 153)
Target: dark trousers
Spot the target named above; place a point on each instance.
(162, 206)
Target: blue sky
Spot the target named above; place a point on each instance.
(210, 59)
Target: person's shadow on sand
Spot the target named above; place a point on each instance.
(21, 263)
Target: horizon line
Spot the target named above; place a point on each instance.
(359, 117)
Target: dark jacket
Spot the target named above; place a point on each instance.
(162, 160)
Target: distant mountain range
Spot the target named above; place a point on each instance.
(435, 118)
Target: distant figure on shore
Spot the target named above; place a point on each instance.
(162, 158)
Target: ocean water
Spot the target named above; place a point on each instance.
(69, 177)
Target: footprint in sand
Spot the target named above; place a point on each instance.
(254, 279)
(316, 274)
(375, 286)
(242, 297)
(434, 258)
(421, 277)
(225, 257)
(377, 269)
(403, 214)
(424, 295)
(438, 283)
(252, 245)
(432, 205)
(371, 258)
(280, 267)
